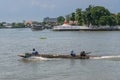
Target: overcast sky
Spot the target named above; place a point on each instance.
(19, 10)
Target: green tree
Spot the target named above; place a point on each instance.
(18, 25)
(60, 19)
(72, 17)
(97, 12)
(108, 20)
(67, 17)
(103, 21)
(78, 16)
(1, 25)
(87, 17)
(112, 20)
(118, 18)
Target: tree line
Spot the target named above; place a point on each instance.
(92, 16)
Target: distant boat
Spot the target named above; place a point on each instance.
(37, 27)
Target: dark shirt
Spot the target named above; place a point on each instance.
(35, 53)
(73, 54)
(83, 54)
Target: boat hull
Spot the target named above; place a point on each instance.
(56, 56)
(38, 27)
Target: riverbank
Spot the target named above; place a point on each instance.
(85, 28)
(78, 28)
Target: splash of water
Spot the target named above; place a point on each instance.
(107, 57)
(38, 58)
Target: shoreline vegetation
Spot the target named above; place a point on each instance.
(93, 17)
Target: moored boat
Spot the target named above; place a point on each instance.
(37, 27)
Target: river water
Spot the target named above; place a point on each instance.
(17, 41)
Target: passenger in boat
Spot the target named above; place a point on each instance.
(34, 52)
(83, 54)
(73, 54)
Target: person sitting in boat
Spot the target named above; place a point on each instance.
(73, 54)
(34, 52)
(82, 54)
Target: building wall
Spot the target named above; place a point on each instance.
(50, 20)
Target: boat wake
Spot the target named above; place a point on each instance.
(113, 57)
(35, 58)
(38, 58)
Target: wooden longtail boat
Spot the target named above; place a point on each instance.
(27, 55)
